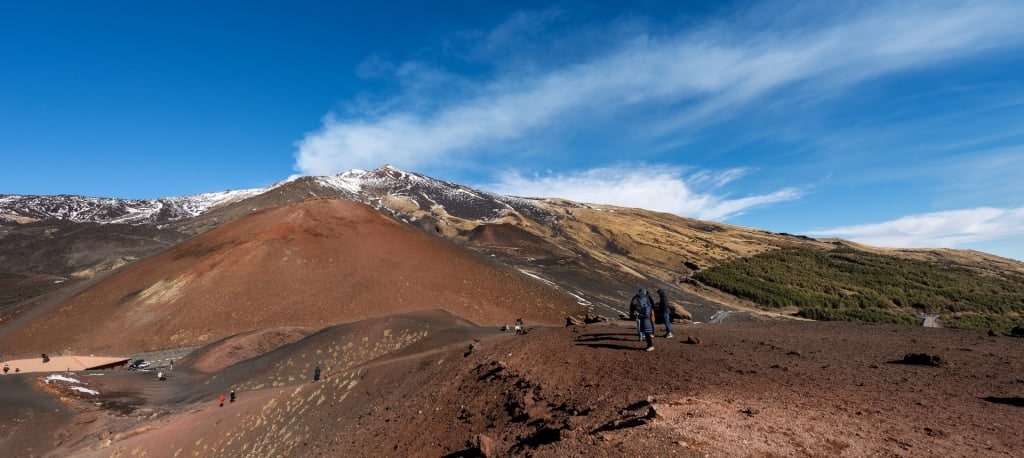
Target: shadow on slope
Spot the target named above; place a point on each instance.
(219, 368)
(273, 389)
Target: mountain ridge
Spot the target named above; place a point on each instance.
(599, 253)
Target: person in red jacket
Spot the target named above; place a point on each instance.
(222, 400)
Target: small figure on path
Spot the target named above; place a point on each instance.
(666, 312)
(160, 376)
(6, 368)
(316, 374)
(642, 306)
(232, 395)
(172, 365)
(519, 326)
(222, 400)
(472, 347)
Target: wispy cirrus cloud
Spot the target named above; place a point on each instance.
(655, 187)
(689, 79)
(708, 72)
(954, 228)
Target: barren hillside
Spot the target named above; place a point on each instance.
(310, 264)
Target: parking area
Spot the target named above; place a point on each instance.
(162, 360)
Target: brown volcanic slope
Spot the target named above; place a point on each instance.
(308, 264)
(407, 386)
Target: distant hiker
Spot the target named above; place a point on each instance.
(232, 395)
(222, 400)
(172, 365)
(160, 376)
(643, 306)
(666, 312)
(46, 358)
(6, 368)
(316, 374)
(519, 326)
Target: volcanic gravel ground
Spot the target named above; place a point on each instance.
(770, 388)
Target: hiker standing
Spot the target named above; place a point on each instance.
(643, 306)
(316, 374)
(6, 368)
(666, 312)
(222, 400)
(636, 318)
(232, 395)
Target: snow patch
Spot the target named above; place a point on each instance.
(83, 389)
(60, 378)
(75, 382)
(538, 277)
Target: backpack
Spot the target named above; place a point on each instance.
(643, 306)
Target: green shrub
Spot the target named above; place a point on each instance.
(849, 284)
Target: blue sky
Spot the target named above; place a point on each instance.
(891, 123)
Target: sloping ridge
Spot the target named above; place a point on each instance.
(308, 264)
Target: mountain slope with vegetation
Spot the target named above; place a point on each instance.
(850, 284)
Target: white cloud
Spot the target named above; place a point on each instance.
(949, 229)
(708, 72)
(659, 188)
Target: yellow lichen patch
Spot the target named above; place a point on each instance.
(21, 219)
(163, 291)
(270, 405)
(399, 203)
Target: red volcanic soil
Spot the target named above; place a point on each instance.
(411, 385)
(307, 265)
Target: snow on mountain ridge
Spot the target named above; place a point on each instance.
(367, 186)
(107, 210)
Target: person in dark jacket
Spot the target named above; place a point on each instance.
(636, 318)
(642, 306)
(666, 312)
(316, 374)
